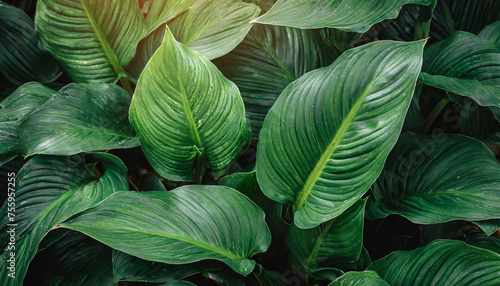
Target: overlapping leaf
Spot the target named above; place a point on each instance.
(21, 59)
(79, 118)
(433, 180)
(267, 61)
(464, 64)
(440, 263)
(326, 138)
(492, 33)
(330, 244)
(347, 15)
(365, 278)
(159, 12)
(48, 191)
(185, 225)
(213, 28)
(184, 108)
(93, 39)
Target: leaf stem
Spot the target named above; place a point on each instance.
(199, 170)
(126, 85)
(434, 113)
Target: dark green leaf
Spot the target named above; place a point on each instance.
(336, 126)
(489, 226)
(437, 179)
(441, 263)
(48, 191)
(185, 225)
(150, 182)
(332, 243)
(130, 268)
(485, 242)
(184, 108)
(347, 15)
(21, 60)
(492, 33)
(267, 61)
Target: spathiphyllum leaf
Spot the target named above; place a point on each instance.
(130, 268)
(331, 244)
(185, 225)
(492, 33)
(365, 278)
(464, 64)
(347, 15)
(440, 263)
(184, 110)
(268, 60)
(92, 39)
(437, 179)
(489, 226)
(79, 118)
(336, 126)
(21, 60)
(213, 28)
(159, 12)
(48, 191)
(485, 242)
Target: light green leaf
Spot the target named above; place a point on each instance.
(213, 28)
(184, 108)
(92, 39)
(145, 50)
(492, 33)
(464, 64)
(21, 59)
(78, 118)
(130, 268)
(347, 15)
(50, 190)
(267, 61)
(331, 244)
(365, 278)
(185, 225)
(337, 125)
(440, 263)
(159, 12)
(437, 179)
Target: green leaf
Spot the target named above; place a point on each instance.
(92, 39)
(184, 108)
(80, 260)
(486, 242)
(213, 28)
(185, 225)
(145, 50)
(21, 60)
(464, 64)
(78, 118)
(479, 122)
(365, 278)
(489, 226)
(267, 61)
(492, 33)
(150, 182)
(246, 183)
(437, 179)
(440, 263)
(178, 283)
(332, 243)
(48, 191)
(337, 125)
(159, 12)
(14, 110)
(346, 15)
(130, 268)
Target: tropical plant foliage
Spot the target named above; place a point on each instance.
(250, 142)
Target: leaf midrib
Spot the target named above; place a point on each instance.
(318, 243)
(321, 164)
(113, 59)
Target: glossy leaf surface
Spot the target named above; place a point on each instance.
(336, 126)
(183, 107)
(185, 225)
(432, 180)
(365, 278)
